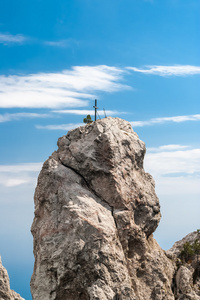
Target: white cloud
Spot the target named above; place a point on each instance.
(69, 88)
(176, 119)
(18, 116)
(167, 148)
(70, 126)
(30, 167)
(22, 174)
(66, 43)
(172, 162)
(88, 112)
(176, 70)
(11, 39)
(172, 147)
(11, 182)
(60, 126)
(175, 172)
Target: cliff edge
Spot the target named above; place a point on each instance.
(95, 212)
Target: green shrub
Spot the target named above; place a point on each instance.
(196, 247)
(88, 119)
(190, 250)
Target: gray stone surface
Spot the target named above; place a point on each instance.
(5, 292)
(95, 212)
(187, 277)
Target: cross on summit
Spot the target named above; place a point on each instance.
(95, 110)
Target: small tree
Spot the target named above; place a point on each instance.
(188, 252)
(87, 120)
(196, 247)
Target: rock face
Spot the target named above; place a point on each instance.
(95, 212)
(187, 276)
(5, 292)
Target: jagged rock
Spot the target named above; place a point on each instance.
(184, 284)
(95, 212)
(176, 249)
(188, 272)
(5, 292)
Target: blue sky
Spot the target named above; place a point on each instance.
(140, 59)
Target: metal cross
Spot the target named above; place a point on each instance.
(95, 109)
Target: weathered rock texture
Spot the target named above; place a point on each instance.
(5, 292)
(187, 276)
(95, 212)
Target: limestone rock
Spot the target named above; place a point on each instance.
(178, 246)
(5, 292)
(184, 284)
(95, 212)
(187, 279)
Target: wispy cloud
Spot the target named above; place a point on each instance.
(64, 127)
(30, 167)
(70, 126)
(174, 162)
(69, 88)
(6, 38)
(11, 182)
(167, 148)
(175, 172)
(18, 116)
(88, 112)
(15, 175)
(176, 70)
(176, 119)
(66, 43)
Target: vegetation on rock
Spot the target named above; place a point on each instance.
(190, 250)
(87, 120)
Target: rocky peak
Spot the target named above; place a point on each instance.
(95, 212)
(109, 156)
